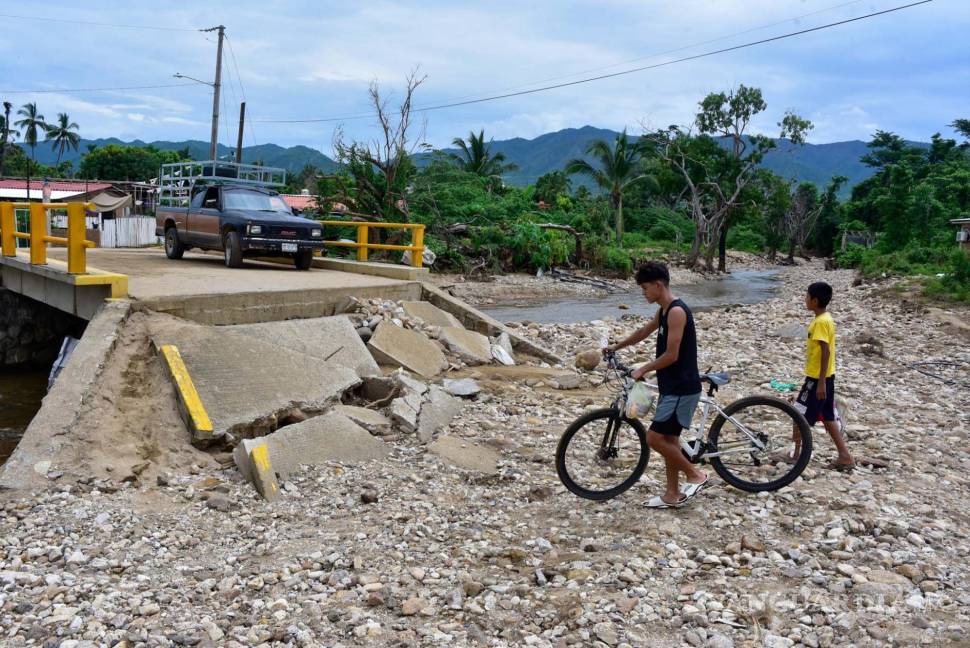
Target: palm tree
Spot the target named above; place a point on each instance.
(476, 158)
(5, 133)
(31, 122)
(62, 136)
(620, 170)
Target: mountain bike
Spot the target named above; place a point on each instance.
(603, 452)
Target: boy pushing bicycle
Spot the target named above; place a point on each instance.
(678, 380)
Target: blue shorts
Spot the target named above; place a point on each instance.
(813, 409)
(674, 413)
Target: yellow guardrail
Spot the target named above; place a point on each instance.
(363, 245)
(75, 240)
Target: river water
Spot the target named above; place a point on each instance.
(739, 287)
(20, 397)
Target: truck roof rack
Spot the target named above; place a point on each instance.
(176, 180)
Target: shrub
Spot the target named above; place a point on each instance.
(663, 231)
(618, 259)
(745, 238)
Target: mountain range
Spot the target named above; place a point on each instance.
(807, 162)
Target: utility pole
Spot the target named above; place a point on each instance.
(215, 92)
(242, 120)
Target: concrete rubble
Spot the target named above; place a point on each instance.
(416, 549)
(393, 345)
(473, 348)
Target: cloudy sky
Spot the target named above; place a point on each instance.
(907, 71)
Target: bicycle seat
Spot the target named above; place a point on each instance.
(718, 379)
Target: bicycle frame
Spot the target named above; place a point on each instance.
(695, 443)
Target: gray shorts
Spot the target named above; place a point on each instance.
(674, 413)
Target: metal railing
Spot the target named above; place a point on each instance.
(39, 237)
(363, 245)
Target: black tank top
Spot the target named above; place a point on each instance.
(680, 378)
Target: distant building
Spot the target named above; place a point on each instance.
(963, 234)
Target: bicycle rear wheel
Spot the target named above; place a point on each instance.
(749, 448)
(602, 454)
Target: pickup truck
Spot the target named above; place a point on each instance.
(241, 221)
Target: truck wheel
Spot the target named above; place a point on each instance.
(232, 250)
(303, 259)
(173, 246)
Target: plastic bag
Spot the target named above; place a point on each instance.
(639, 402)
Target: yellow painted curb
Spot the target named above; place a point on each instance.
(265, 478)
(188, 396)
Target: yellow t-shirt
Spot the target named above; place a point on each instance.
(822, 329)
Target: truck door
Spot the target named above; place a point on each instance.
(186, 227)
(204, 222)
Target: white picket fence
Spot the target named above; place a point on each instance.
(129, 231)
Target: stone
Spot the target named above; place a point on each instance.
(371, 420)
(407, 383)
(404, 411)
(473, 348)
(412, 606)
(465, 454)
(502, 356)
(219, 502)
(437, 412)
(331, 339)
(464, 387)
(752, 543)
(430, 314)
(567, 380)
(369, 497)
(504, 340)
(395, 346)
(365, 333)
(588, 360)
(792, 331)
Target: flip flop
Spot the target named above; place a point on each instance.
(657, 502)
(690, 489)
(840, 467)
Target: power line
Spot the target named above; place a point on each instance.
(242, 89)
(73, 90)
(98, 24)
(614, 74)
(666, 52)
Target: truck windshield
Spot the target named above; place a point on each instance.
(254, 200)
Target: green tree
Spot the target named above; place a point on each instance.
(7, 134)
(477, 158)
(551, 186)
(62, 135)
(619, 168)
(728, 115)
(32, 124)
(117, 162)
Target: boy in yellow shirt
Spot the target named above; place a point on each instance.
(816, 400)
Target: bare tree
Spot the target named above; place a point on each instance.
(382, 167)
(710, 193)
(801, 217)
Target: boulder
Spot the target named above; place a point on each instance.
(567, 380)
(465, 454)
(465, 387)
(474, 348)
(437, 412)
(396, 346)
(792, 331)
(430, 314)
(588, 360)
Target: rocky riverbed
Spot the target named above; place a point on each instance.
(417, 550)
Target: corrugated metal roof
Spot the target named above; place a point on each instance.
(55, 185)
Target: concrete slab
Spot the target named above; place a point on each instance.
(389, 270)
(465, 454)
(252, 457)
(244, 382)
(437, 413)
(474, 348)
(49, 433)
(372, 421)
(430, 314)
(331, 339)
(331, 437)
(405, 410)
(398, 347)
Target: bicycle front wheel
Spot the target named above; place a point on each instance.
(602, 454)
(752, 446)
